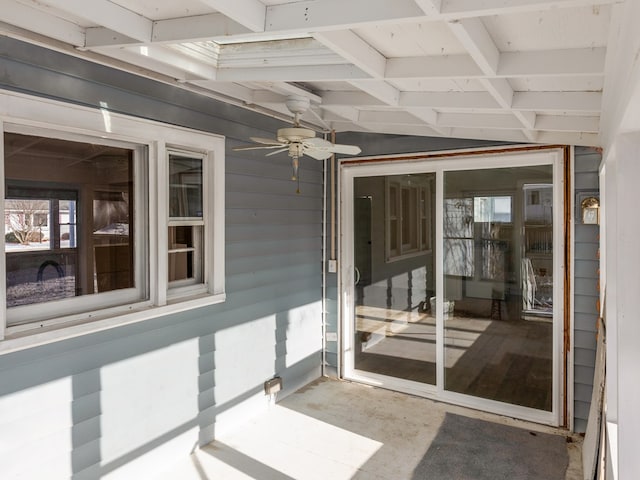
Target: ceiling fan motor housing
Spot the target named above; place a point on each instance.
(294, 134)
(297, 104)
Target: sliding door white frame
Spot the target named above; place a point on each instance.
(381, 166)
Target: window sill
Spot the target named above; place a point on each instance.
(20, 338)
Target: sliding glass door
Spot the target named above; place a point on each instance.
(393, 224)
(498, 284)
(452, 280)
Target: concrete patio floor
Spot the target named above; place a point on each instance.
(339, 430)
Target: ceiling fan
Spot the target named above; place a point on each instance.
(299, 141)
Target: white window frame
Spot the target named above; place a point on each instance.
(26, 114)
(180, 288)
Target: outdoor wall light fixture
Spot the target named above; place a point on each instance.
(590, 211)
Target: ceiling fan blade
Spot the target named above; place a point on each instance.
(324, 145)
(257, 147)
(317, 153)
(316, 142)
(265, 141)
(277, 151)
(345, 149)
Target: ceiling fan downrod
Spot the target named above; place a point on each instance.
(295, 177)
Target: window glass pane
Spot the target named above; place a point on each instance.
(185, 253)
(67, 219)
(185, 187)
(498, 284)
(406, 218)
(394, 325)
(492, 209)
(26, 223)
(68, 212)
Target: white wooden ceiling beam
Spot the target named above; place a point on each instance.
(418, 130)
(528, 119)
(350, 99)
(483, 8)
(499, 89)
(568, 62)
(148, 63)
(267, 97)
(473, 35)
(360, 53)
(569, 138)
(379, 89)
(475, 38)
(317, 15)
(413, 118)
(304, 73)
(531, 135)
(196, 28)
(430, 7)
(355, 50)
(228, 89)
(547, 63)
(278, 53)
(504, 135)
(338, 113)
(385, 117)
(558, 102)
(109, 15)
(101, 37)
(435, 66)
(451, 100)
(427, 115)
(249, 13)
(41, 22)
(193, 70)
(479, 120)
(566, 123)
(174, 30)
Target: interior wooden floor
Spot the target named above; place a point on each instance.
(505, 360)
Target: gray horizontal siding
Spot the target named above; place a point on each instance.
(586, 271)
(144, 394)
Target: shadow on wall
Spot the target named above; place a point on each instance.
(143, 396)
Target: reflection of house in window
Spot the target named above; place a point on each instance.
(458, 237)
(478, 221)
(408, 216)
(112, 249)
(493, 217)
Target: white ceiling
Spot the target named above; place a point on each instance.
(518, 70)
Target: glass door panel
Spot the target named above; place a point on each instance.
(395, 328)
(498, 284)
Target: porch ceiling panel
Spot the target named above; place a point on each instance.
(528, 70)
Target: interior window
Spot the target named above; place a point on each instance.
(408, 216)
